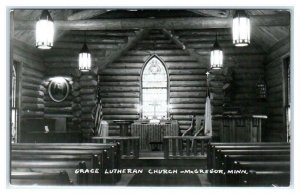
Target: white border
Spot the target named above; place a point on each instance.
(146, 4)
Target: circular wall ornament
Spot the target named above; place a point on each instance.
(58, 89)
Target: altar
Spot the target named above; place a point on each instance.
(153, 132)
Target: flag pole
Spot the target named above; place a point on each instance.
(207, 84)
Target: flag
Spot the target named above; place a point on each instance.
(207, 118)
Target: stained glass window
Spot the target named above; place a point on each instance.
(154, 90)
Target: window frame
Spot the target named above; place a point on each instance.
(17, 101)
(141, 84)
(287, 94)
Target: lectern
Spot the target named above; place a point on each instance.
(241, 128)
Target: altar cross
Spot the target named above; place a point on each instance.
(155, 104)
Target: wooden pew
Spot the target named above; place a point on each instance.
(91, 161)
(212, 148)
(230, 159)
(51, 166)
(108, 153)
(40, 178)
(266, 178)
(112, 148)
(220, 156)
(223, 155)
(129, 146)
(268, 168)
(98, 159)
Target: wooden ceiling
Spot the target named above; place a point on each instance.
(110, 32)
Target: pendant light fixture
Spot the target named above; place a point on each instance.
(85, 60)
(241, 29)
(44, 31)
(216, 56)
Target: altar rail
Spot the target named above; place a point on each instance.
(185, 147)
(152, 132)
(129, 146)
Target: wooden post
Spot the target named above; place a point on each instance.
(195, 151)
(136, 148)
(123, 146)
(202, 146)
(188, 147)
(166, 148)
(105, 164)
(96, 178)
(82, 178)
(129, 146)
(180, 147)
(173, 147)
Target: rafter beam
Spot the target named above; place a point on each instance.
(158, 23)
(86, 14)
(214, 13)
(180, 44)
(132, 41)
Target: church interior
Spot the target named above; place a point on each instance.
(150, 97)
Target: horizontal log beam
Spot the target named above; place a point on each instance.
(121, 100)
(187, 106)
(118, 105)
(121, 117)
(86, 14)
(157, 23)
(121, 94)
(188, 94)
(93, 39)
(156, 51)
(105, 33)
(119, 89)
(210, 12)
(186, 100)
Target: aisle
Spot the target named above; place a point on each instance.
(158, 171)
(171, 179)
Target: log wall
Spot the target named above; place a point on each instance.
(30, 76)
(32, 72)
(59, 109)
(274, 79)
(79, 106)
(120, 81)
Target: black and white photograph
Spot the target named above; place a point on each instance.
(150, 97)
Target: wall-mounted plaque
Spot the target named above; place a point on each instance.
(261, 89)
(58, 89)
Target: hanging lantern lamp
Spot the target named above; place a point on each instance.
(216, 56)
(241, 29)
(44, 31)
(85, 60)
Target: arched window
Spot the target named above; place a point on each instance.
(154, 90)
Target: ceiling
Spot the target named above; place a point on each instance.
(108, 30)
